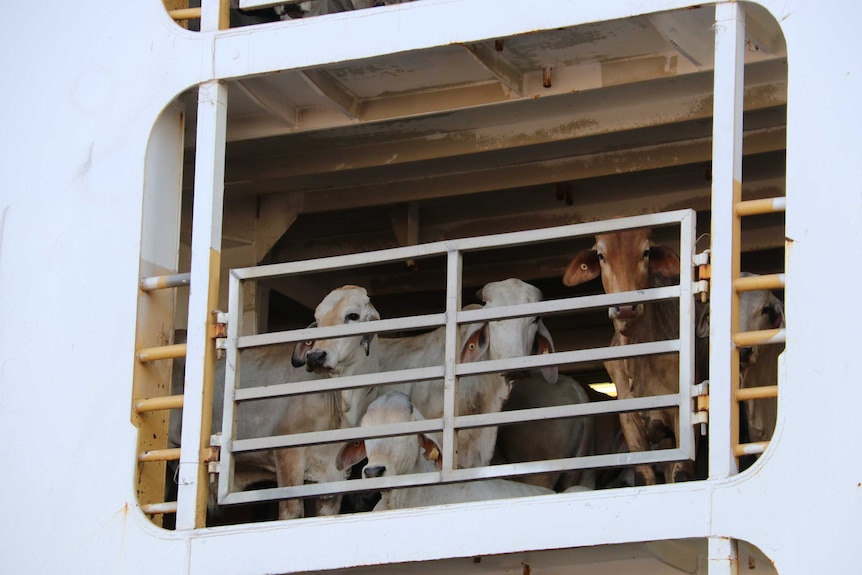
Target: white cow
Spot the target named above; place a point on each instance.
(758, 365)
(760, 310)
(268, 365)
(482, 341)
(419, 453)
(476, 394)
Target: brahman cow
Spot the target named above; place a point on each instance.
(485, 393)
(419, 453)
(627, 261)
(758, 365)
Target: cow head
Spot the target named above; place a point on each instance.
(509, 338)
(758, 310)
(389, 456)
(626, 261)
(342, 355)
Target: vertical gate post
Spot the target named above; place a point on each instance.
(450, 383)
(725, 234)
(203, 298)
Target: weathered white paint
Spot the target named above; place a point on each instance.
(84, 88)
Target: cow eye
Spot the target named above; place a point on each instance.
(352, 317)
(646, 254)
(765, 310)
(601, 257)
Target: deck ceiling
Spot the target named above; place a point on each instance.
(547, 128)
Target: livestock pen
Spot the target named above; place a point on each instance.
(197, 178)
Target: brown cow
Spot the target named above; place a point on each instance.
(628, 261)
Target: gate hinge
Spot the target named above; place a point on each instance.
(218, 332)
(701, 405)
(704, 272)
(212, 457)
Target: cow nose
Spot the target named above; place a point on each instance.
(376, 471)
(745, 355)
(315, 359)
(625, 311)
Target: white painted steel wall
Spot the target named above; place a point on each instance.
(83, 85)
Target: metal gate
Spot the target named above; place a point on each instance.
(451, 318)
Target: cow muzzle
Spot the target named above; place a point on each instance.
(315, 359)
(626, 311)
(376, 471)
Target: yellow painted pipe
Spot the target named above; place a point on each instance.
(757, 207)
(159, 508)
(750, 448)
(172, 454)
(163, 352)
(185, 13)
(763, 392)
(168, 281)
(761, 337)
(158, 403)
(752, 283)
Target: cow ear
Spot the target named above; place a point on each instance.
(297, 359)
(373, 314)
(475, 342)
(543, 343)
(777, 316)
(431, 450)
(663, 261)
(350, 454)
(583, 268)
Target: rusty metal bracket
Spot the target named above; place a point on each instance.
(701, 406)
(212, 458)
(704, 273)
(218, 332)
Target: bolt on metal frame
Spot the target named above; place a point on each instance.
(451, 370)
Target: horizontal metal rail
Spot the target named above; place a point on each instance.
(163, 282)
(763, 392)
(461, 422)
(162, 352)
(317, 333)
(185, 14)
(758, 207)
(461, 369)
(171, 454)
(158, 403)
(760, 337)
(159, 508)
(457, 475)
(338, 383)
(462, 245)
(750, 448)
(752, 283)
(464, 317)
